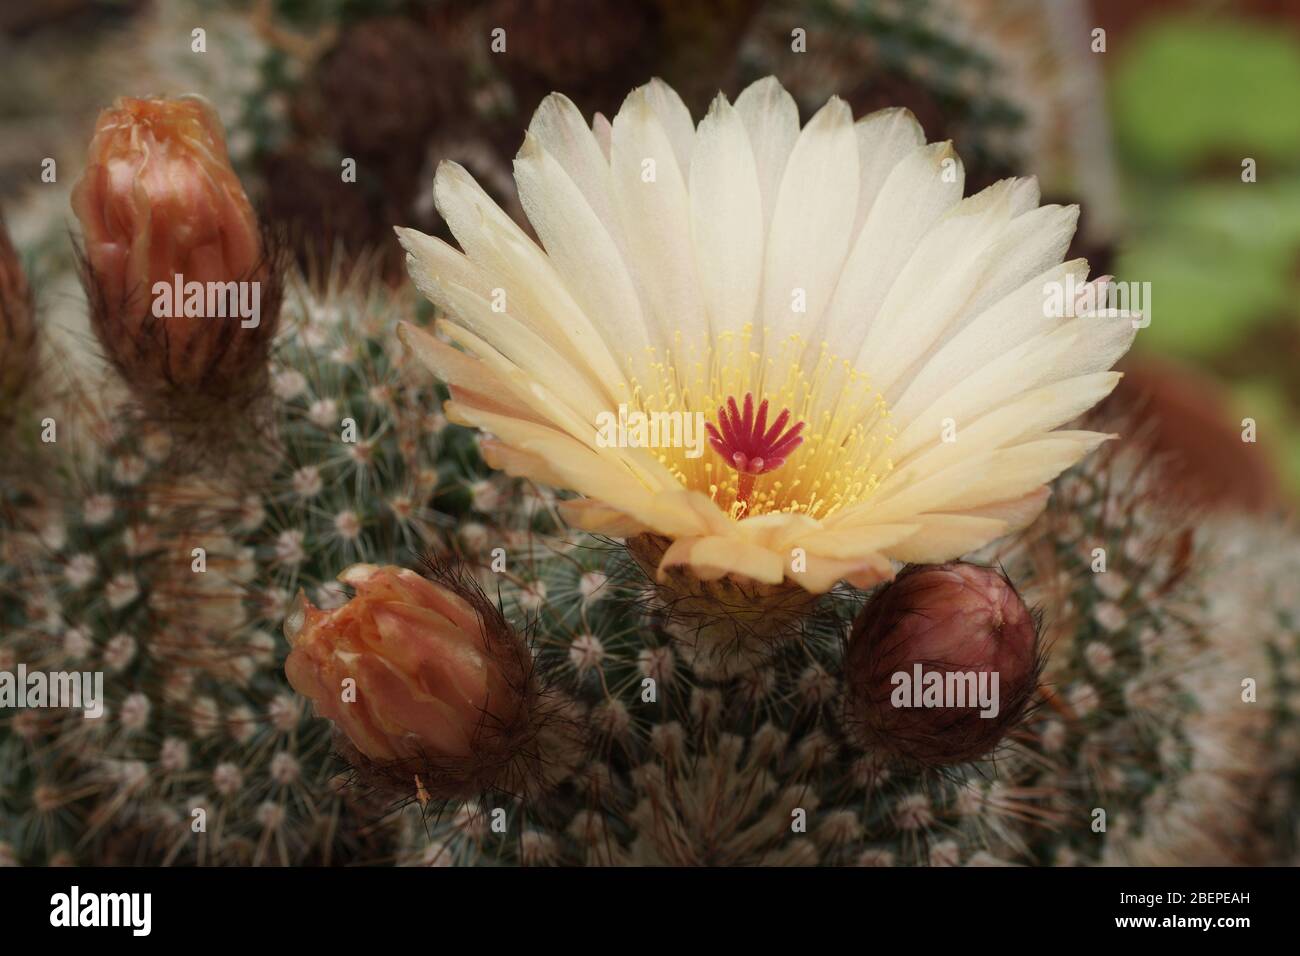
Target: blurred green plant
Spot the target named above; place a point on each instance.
(1193, 99)
(1191, 87)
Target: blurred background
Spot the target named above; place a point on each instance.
(1143, 113)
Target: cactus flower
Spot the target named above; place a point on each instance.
(869, 353)
(162, 211)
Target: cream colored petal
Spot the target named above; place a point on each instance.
(726, 219)
(468, 210)
(675, 119)
(602, 130)
(812, 224)
(915, 195)
(933, 287)
(862, 571)
(1104, 340)
(1002, 255)
(584, 254)
(1027, 246)
(570, 464)
(521, 347)
(854, 542)
(943, 537)
(1028, 416)
(1092, 344)
(559, 127)
(1018, 512)
(884, 138)
(510, 266)
(650, 496)
(653, 204)
(1072, 350)
(520, 464)
(546, 407)
(772, 120)
(857, 554)
(711, 558)
(1008, 324)
(502, 329)
(1013, 514)
(460, 370)
(598, 518)
(980, 479)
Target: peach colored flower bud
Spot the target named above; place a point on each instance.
(159, 200)
(17, 326)
(941, 664)
(424, 679)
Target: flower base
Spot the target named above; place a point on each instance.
(728, 625)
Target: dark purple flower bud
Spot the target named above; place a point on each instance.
(942, 663)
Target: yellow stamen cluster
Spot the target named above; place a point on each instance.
(847, 431)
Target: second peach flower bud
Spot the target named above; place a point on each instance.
(426, 680)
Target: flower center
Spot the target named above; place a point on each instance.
(749, 445)
(830, 413)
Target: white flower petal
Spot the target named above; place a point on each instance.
(654, 207)
(582, 251)
(570, 412)
(1017, 318)
(1024, 367)
(460, 370)
(939, 537)
(913, 198)
(1025, 247)
(726, 219)
(772, 121)
(711, 558)
(933, 287)
(812, 224)
(675, 119)
(495, 243)
(559, 127)
(439, 270)
(602, 130)
(1029, 416)
(884, 138)
(981, 479)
